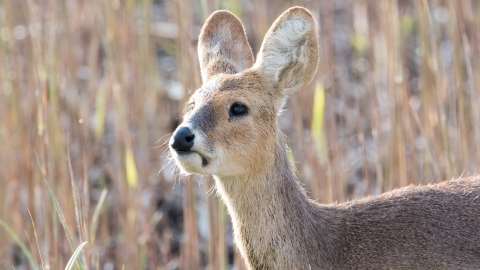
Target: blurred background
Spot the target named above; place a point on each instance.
(90, 92)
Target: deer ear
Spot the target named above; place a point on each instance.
(288, 57)
(223, 46)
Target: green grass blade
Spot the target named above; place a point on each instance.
(318, 115)
(96, 213)
(130, 167)
(100, 112)
(19, 243)
(57, 206)
(74, 257)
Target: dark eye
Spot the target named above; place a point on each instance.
(238, 110)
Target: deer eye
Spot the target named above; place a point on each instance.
(238, 110)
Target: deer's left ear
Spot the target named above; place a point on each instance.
(223, 46)
(288, 57)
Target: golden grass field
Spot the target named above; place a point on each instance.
(90, 92)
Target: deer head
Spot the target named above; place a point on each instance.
(230, 123)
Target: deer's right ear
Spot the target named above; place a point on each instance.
(223, 46)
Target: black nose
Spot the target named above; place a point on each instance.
(183, 139)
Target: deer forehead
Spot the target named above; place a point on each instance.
(230, 88)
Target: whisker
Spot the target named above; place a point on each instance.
(211, 190)
(163, 138)
(168, 161)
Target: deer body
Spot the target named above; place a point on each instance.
(230, 131)
(424, 227)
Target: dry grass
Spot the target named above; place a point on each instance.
(91, 90)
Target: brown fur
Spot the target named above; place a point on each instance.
(275, 225)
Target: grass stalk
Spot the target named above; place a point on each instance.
(19, 242)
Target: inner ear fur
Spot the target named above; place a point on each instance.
(223, 46)
(288, 57)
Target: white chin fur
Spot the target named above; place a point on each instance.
(190, 163)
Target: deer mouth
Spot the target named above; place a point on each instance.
(205, 160)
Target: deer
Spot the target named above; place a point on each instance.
(230, 131)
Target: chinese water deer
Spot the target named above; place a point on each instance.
(230, 131)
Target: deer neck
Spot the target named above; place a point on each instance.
(272, 216)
